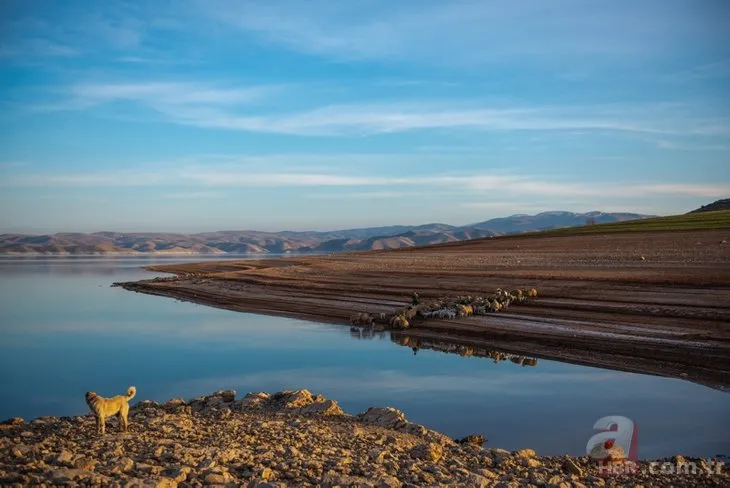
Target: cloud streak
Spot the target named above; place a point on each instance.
(516, 185)
(250, 109)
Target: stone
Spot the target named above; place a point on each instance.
(227, 396)
(215, 479)
(64, 458)
(266, 474)
(570, 467)
(166, 483)
(488, 474)
(428, 451)
(328, 407)
(85, 463)
(387, 481)
(175, 402)
(525, 453)
(530, 462)
(473, 439)
(177, 473)
(13, 421)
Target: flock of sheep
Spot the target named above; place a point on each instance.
(448, 308)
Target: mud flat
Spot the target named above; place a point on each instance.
(293, 438)
(655, 302)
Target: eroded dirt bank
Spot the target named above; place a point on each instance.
(655, 302)
(292, 438)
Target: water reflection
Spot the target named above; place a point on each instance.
(449, 347)
(463, 350)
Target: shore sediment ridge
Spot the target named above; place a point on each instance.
(653, 302)
(292, 438)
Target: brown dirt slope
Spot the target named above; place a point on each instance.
(656, 302)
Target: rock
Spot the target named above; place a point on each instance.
(525, 453)
(266, 474)
(428, 451)
(226, 396)
(148, 468)
(175, 402)
(13, 421)
(125, 464)
(64, 476)
(85, 463)
(387, 481)
(473, 439)
(499, 455)
(387, 417)
(296, 399)
(570, 467)
(64, 458)
(473, 479)
(529, 462)
(215, 479)
(557, 482)
(328, 407)
(177, 473)
(488, 474)
(166, 483)
(252, 401)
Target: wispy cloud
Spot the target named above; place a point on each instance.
(505, 184)
(165, 97)
(438, 33)
(36, 48)
(716, 69)
(192, 195)
(218, 106)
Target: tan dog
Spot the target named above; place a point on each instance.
(106, 407)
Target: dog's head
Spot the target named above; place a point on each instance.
(90, 395)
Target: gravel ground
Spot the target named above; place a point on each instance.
(290, 438)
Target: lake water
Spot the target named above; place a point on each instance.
(65, 331)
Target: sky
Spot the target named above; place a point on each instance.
(203, 115)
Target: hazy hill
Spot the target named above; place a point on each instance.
(714, 206)
(551, 220)
(251, 241)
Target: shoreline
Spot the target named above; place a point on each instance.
(294, 438)
(647, 302)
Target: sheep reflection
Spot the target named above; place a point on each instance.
(417, 343)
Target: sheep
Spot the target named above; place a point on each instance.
(411, 312)
(464, 310)
(362, 318)
(399, 322)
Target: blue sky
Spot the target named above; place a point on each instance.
(206, 115)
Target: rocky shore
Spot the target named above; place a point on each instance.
(290, 438)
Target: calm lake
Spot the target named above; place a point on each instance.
(66, 331)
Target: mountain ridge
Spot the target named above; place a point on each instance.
(262, 242)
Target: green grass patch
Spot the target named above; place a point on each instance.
(694, 221)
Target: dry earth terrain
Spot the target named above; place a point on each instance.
(648, 301)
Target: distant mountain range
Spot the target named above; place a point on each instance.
(255, 242)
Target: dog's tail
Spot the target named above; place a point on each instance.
(131, 391)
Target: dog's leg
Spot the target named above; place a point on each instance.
(102, 424)
(123, 417)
